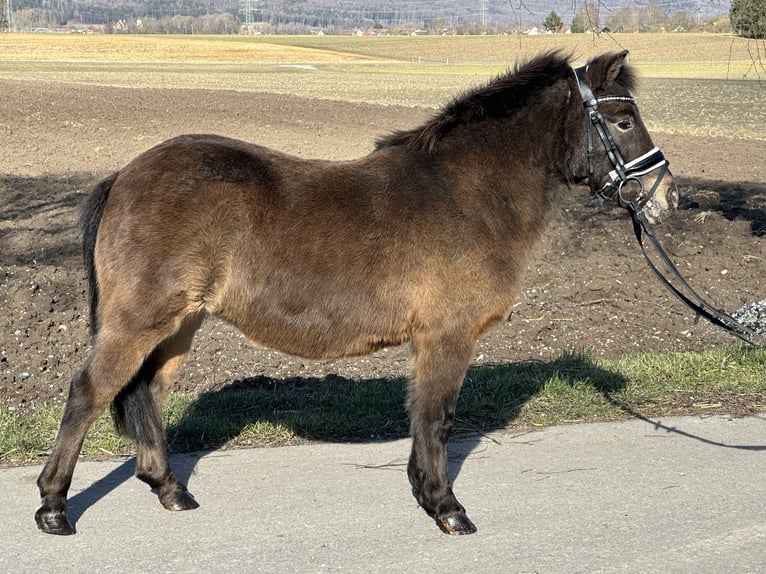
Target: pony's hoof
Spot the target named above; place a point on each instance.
(53, 522)
(179, 500)
(455, 524)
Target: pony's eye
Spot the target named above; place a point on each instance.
(625, 124)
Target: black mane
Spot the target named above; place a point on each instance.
(499, 98)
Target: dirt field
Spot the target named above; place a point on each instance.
(587, 288)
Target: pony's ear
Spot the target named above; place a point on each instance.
(604, 70)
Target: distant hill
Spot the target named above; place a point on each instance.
(358, 13)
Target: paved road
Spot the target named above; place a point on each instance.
(674, 495)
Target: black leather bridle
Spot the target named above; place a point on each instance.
(623, 172)
(633, 170)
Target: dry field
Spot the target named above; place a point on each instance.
(697, 55)
(159, 49)
(682, 91)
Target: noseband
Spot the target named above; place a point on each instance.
(634, 170)
(623, 172)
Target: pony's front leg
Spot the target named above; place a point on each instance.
(440, 365)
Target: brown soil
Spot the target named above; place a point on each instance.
(587, 288)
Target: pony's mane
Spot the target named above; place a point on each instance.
(501, 97)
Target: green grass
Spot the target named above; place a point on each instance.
(572, 388)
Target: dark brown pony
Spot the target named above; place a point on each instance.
(423, 240)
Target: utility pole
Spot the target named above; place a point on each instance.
(6, 17)
(483, 13)
(248, 9)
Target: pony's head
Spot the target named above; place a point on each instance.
(615, 155)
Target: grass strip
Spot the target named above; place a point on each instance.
(575, 387)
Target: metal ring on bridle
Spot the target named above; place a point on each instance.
(640, 200)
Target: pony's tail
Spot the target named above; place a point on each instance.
(92, 212)
(133, 409)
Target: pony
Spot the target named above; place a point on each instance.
(424, 240)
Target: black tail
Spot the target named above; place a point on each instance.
(135, 413)
(90, 220)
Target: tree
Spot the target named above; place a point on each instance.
(553, 22)
(653, 19)
(32, 18)
(748, 17)
(682, 21)
(586, 19)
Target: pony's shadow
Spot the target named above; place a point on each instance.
(373, 410)
(492, 397)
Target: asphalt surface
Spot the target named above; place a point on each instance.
(671, 495)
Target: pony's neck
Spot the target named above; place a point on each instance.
(531, 140)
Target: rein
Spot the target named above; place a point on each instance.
(696, 303)
(632, 171)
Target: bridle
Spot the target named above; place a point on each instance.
(623, 172)
(633, 170)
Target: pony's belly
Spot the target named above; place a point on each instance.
(311, 344)
(318, 332)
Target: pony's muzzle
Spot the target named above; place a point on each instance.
(645, 184)
(662, 199)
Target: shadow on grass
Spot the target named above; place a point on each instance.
(338, 409)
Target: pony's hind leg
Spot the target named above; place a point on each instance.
(440, 364)
(137, 412)
(115, 358)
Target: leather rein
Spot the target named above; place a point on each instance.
(632, 171)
